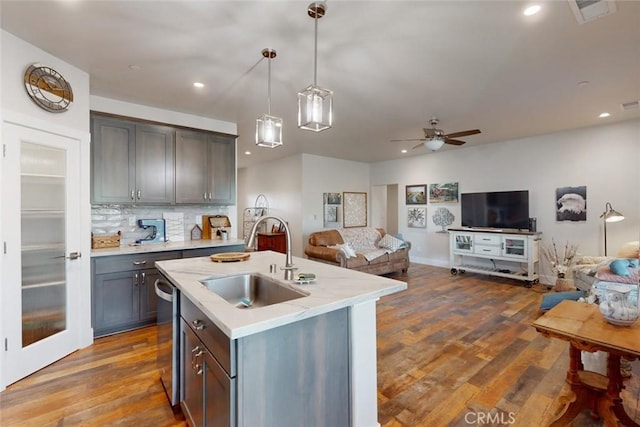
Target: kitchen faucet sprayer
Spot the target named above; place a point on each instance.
(288, 268)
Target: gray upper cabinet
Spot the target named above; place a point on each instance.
(205, 168)
(131, 162)
(112, 161)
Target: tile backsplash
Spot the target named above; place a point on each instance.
(109, 219)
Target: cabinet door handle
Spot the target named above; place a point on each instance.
(135, 279)
(196, 353)
(133, 195)
(139, 262)
(210, 196)
(204, 196)
(142, 277)
(198, 324)
(139, 194)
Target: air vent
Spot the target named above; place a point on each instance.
(633, 105)
(589, 10)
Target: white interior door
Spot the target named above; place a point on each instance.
(41, 274)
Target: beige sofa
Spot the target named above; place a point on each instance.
(325, 246)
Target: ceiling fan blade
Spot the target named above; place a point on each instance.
(419, 145)
(453, 141)
(407, 140)
(463, 133)
(430, 132)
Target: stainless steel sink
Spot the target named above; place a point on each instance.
(251, 290)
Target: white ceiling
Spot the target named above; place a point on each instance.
(391, 64)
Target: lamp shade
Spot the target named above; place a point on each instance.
(315, 108)
(434, 144)
(610, 214)
(268, 131)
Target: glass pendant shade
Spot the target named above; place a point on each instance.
(268, 131)
(315, 108)
(268, 127)
(434, 144)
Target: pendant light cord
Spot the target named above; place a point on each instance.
(315, 50)
(269, 90)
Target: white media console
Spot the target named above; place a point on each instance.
(504, 253)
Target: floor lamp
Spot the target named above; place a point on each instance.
(609, 215)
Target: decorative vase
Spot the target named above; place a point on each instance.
(616, 308)
(564, 285)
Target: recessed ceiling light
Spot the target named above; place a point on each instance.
(603, 115)
(198, 84)
(134, 67)
(532, 10)
(403, 151)
(248, 153)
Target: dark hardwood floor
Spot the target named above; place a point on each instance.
(452, 351)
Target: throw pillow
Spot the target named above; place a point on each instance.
(620, 267)
(390, 242)
(550, 300)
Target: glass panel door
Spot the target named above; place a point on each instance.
(43, 245)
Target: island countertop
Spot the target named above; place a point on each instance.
(333, 289)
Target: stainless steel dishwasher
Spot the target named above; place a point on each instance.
(169, 339)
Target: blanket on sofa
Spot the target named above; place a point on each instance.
(363, 240)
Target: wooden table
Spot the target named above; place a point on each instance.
(585, 329)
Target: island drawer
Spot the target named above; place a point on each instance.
(216, 341)
(119, 263)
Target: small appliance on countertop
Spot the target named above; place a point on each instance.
(158, 231)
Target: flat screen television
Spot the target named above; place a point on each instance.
(497, 209)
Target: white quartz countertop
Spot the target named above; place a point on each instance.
(163, 247)
(333, 289)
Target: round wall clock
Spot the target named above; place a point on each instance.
(47, 88)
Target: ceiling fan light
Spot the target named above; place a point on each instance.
(434, 144)
(268, 131)
(315, 108)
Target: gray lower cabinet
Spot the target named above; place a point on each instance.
(205, 168)
(123, 294)
(290, 376)
(131, 162)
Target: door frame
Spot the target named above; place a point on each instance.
(16, 127)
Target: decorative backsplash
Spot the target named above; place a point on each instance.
(109, 219)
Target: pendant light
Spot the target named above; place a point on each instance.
(268, 127)
(315, 104)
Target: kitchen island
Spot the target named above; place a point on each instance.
(337, 297)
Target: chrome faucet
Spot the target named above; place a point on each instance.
(288, 268)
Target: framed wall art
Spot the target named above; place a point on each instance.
(332, 198)
(416, 194)
(354, 209)
(443, 193)
(571, 203)
(417, 217)
(330, 215)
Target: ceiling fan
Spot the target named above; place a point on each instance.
(435, 138)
